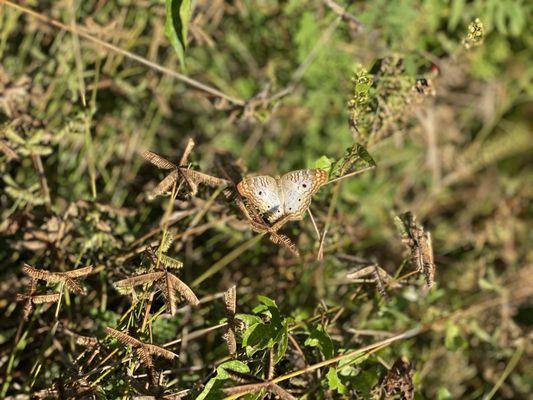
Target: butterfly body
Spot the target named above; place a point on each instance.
(289, 194)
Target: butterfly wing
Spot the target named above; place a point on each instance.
(298, 188)
(262, 192)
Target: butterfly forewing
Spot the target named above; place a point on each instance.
(263, 193)
(298, 188)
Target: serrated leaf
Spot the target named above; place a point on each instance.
(334, 383)
(178, 15)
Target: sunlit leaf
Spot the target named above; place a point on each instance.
(178, 15)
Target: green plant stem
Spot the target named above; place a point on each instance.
(508, 369)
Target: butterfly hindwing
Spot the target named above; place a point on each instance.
(298, 188)
(263, 193)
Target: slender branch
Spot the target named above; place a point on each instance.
(38, 165)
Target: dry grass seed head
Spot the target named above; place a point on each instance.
(139, 280)
(230, 305)
(157, 160)
(159, 351)
(169, 294)
(187, 151)
(63, 277)
(284, 241)
(418, 241)
(184, 290)
(123, 337)
(45, 298)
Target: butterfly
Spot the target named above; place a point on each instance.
(289, 195)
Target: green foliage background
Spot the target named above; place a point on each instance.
(458, 160)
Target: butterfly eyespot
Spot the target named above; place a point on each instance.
(299, 199)
(260, 193)
(304, 185)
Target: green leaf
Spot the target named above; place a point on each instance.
(256, 335)
(248, 319)
(453, 339)
(267, 301)
(212, 389)
(366, 380)
(324, 163)
(444, 394)
(178, 15)
(263, 333)
(283, 342)
(233, 365)
(334, 383)
(319, 338)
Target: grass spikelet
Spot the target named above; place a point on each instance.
(157, 160)
(123, 337)
(170, 262)
(230, 305)
(166, 242)
(187, 151)
(418, 241)
(160, 351)
(165, 184)
(45, 298)
(169, 293)
(285, 241)
(139, 280)
(184, 290)
(80, 272)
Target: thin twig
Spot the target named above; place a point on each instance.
(508, 369)
(38, 165)
(314, 224)
(346, 16)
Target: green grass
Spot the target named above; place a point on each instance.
(439, 100)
